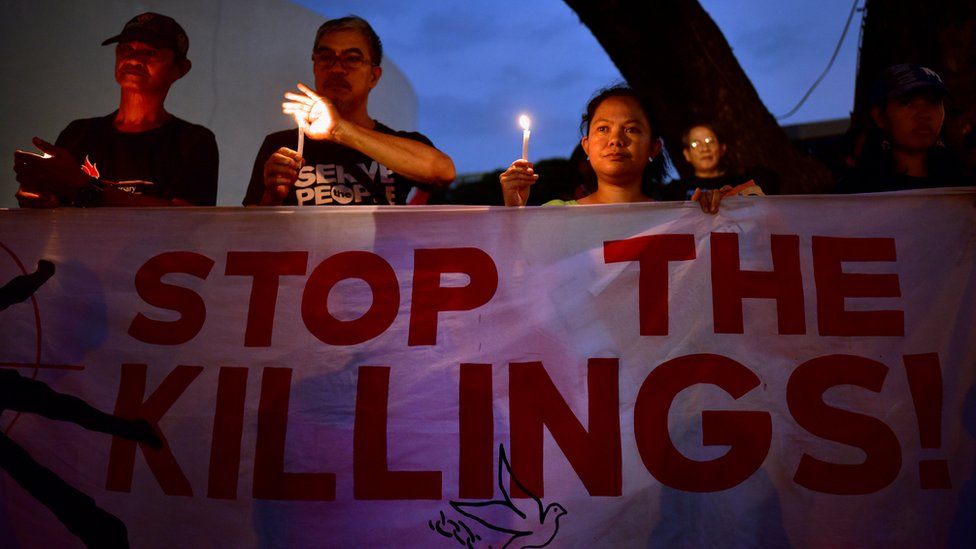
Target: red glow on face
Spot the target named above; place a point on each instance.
(89, 168)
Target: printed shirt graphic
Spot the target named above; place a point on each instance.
(90, 169)
(133, 187)
(336, 184)
(334, 175)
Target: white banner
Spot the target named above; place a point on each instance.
(792, 371)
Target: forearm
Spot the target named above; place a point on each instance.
(116, 197)
(409, 158)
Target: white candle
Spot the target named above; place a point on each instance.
(301, 136)
(524, 122)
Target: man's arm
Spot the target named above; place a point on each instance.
(59, 175)
(116, 198)
(411, 159)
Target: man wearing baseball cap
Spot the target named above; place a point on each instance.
(903, 149)
(140, 155)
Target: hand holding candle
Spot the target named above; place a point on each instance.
(517, 180)
(53, 170)
(525, 122)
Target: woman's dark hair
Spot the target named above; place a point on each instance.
(601, 95)
(655, 170)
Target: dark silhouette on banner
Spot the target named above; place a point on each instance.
(76, 510)
(21, 288)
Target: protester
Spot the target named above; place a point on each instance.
(712, 177)
(350, 158)
(621, 146)
(140, 155)
(902, 148)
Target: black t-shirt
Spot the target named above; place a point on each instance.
(175, 160)
(334, 174)
(682, 189)
(856, 181)
(875, 172)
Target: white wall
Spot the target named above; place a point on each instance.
(245, 55)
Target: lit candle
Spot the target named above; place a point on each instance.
(524, 122)
(319, 119)
(301, 133)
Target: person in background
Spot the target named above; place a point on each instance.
(706, 153)
(902, 148)
(349, 158)
(140, 155)
(622, 149)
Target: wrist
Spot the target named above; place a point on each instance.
(271, 198)
(75, 183)
(340, 132)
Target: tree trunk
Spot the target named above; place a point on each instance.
(941, 35)
(677, 59)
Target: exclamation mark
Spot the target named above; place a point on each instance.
(925, 384)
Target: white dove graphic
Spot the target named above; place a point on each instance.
(537, 530)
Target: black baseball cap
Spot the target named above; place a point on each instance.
(899, 80)
(154, 29)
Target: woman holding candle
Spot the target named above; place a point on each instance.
(622, 148)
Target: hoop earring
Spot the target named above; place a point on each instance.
(885, 145)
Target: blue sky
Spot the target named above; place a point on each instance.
(477, 64)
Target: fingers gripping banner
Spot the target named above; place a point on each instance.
(792, 371)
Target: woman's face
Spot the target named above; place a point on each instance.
(704, 152)
(619, 142)
(912, 122)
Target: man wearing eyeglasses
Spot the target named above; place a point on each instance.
(349, 158)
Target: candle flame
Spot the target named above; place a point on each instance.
(524, 122)
(320, 118)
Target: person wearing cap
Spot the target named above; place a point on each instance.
(140, 155)
(349, 158)
(902, 148)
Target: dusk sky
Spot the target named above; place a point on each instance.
(477, 64)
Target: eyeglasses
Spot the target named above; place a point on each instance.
(349, 62)
(702, 142)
